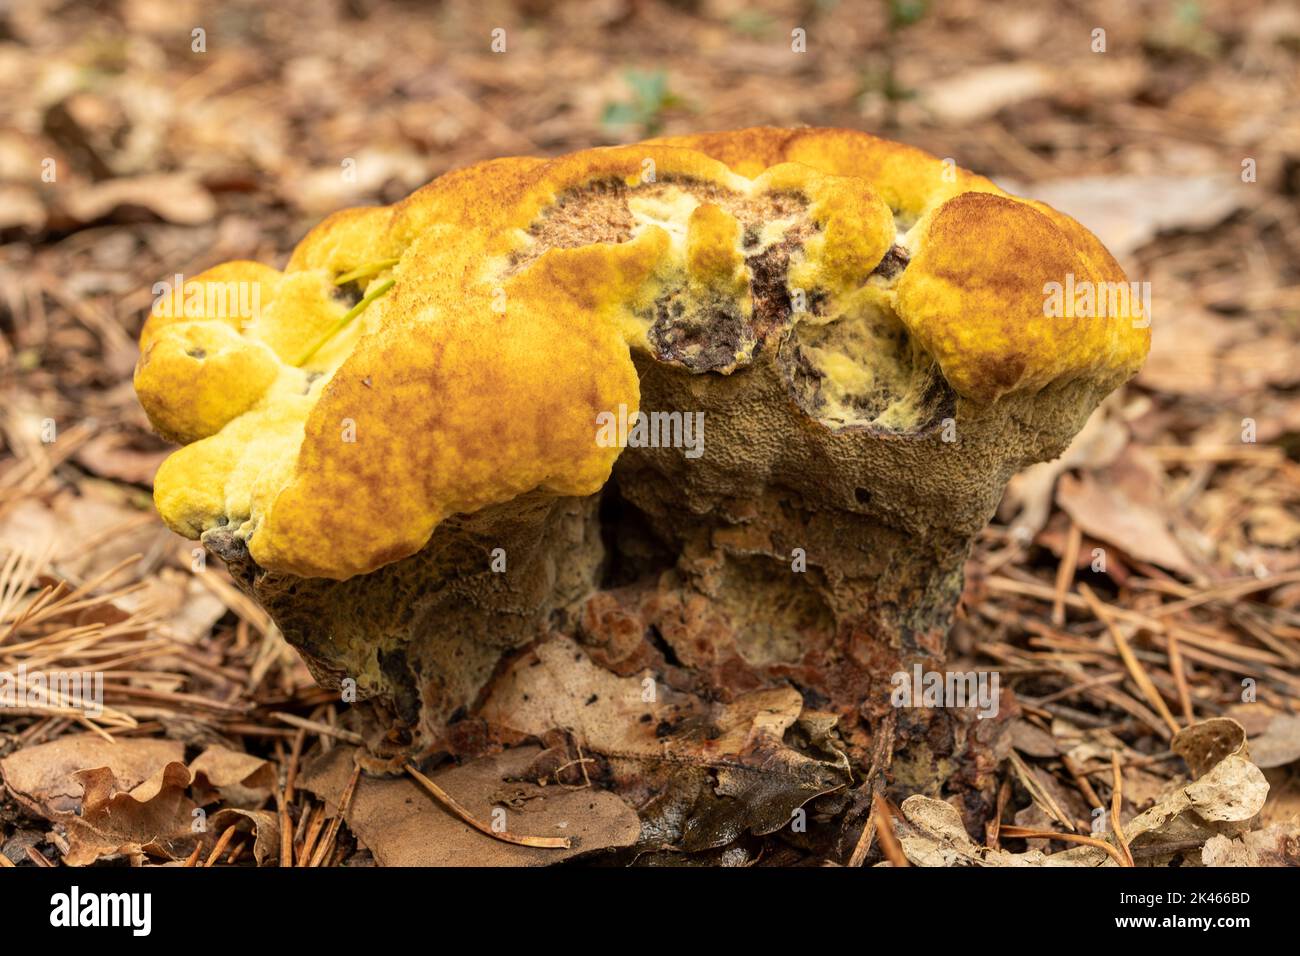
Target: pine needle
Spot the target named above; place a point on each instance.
(371, 295)
(452, 804)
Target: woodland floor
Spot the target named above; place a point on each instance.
(1186, 483)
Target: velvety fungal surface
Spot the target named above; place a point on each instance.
(399, 455)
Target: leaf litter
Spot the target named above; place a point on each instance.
(1172, 521)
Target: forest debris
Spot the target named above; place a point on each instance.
(1225, 795)
(453, 805)
(1131, 663)
(154, 817)
(933, 835)
(1027, 502)
(43, 778)
(1122, 506)
(1204, 745)
(531, 697)
(87, 532)
(1116, 804)
(1127, 212)
(1275, 742)
(1276, 845)
(983, 91)
(136, 796)
(263, 824)
(186, 608)
(239, 779)
(18, 844)
(728, 761)
(175, 197)
(1040, 791)
(19, 207)
(880, 818)
(402, 826)
(1034, 740)
(115, 455)
(1223, 799)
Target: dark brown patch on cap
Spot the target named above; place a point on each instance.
(894, 262)
(707, 338)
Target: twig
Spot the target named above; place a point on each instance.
(1078, 688)
(450, 803)
(1065, 573)
(1135, 670)
(220, 848)
(1038, 793)
(1180, 679)
(313, 834)
(1081, 781)
(295, 755)
(286, 832)
(327, 845)
(1116, 800)
(326, 730)
(1227, 592)
(889, 845)
(882, 752)
(1030, 833)
(993, 831)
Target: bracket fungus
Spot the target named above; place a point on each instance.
(398, 455)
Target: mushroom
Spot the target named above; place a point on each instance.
(746, 396)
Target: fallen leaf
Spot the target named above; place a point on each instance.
(175, 197)
(727, 766)
(1186, 345)
(116, 455)
(71, 520)
(1033, 740)
(1121, 505)
(1279, 744)
(325, 189)
(1127, 212)
(264, 825)
(931, 834)
(613, 717)
(43, 778)
(179, 599)
(1273, 736)
(1027, 501)
(1276, 845)
(1224, 799)
(1207, 743)
(980, 93)
(153, 818)
(403, 825)
(239, 779)
(133, 797)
